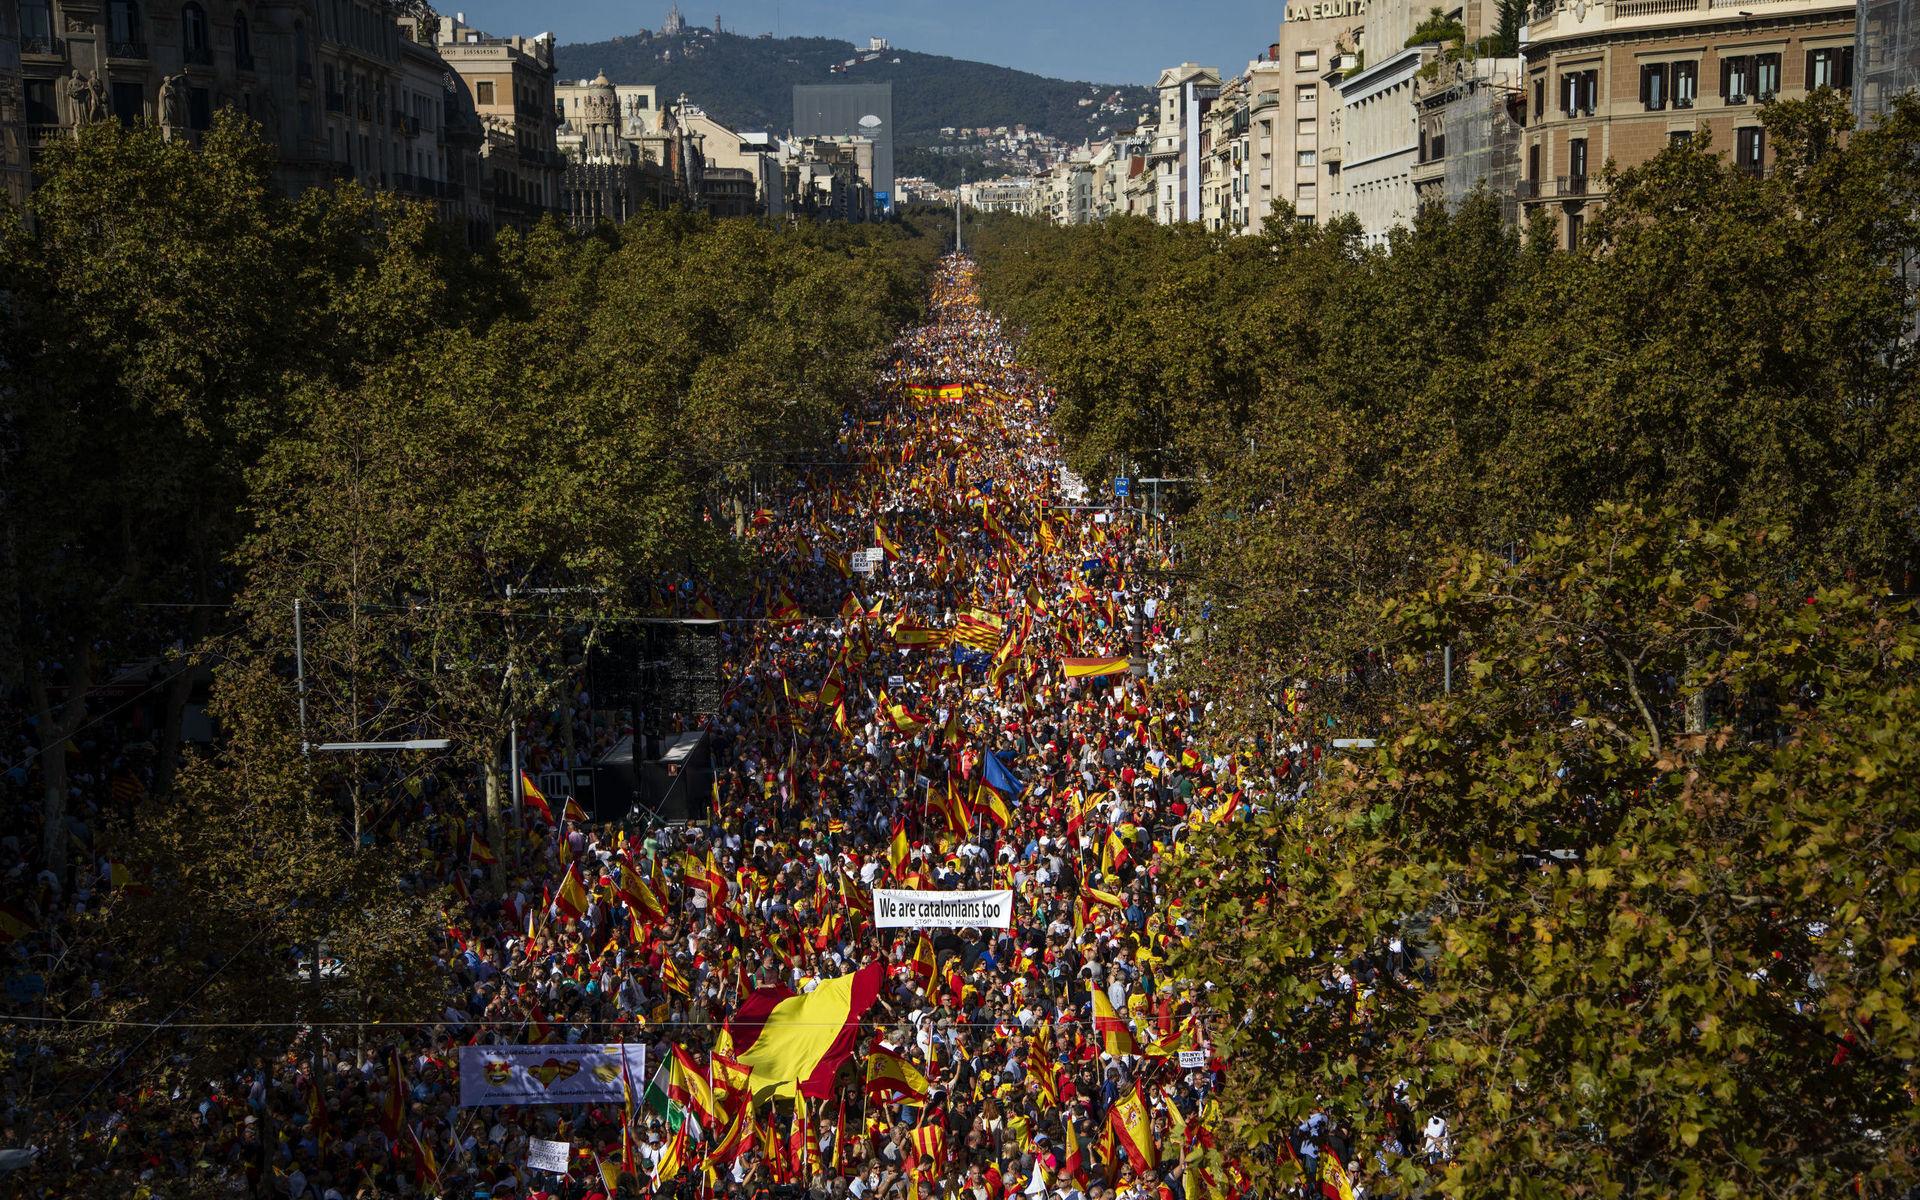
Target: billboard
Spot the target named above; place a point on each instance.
(850, 110)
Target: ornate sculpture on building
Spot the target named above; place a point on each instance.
(88, 96)
(172, 108)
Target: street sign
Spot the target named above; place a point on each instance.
(1121, 485)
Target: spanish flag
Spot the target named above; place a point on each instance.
(1335, 1184)
(932, 639)
(953, 391)
(571, 899)
(923, 964)
(1074, 1164)
(673, 1159)
(1115, 1037)
(990, 802)
(1133, 1129)
(1081, 668)
(891, 1077)
(737, 1140)
(477, 850)
(687, 1086)
(794, 1044)
(898, 849)
(573, 812)
(886, 543)
(533, 797)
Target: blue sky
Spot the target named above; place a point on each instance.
(1107, 41)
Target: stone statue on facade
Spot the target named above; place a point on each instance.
(88, 96)
(173, 104)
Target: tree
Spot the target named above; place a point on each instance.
(1648, 962)
(141, 301)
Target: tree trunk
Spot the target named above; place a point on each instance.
(497, 823)
(56, 729)
(167, 738)
(1697, 702)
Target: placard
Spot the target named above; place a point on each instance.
(898, 909)
(543, 1155)
(1193, 1060)
(555, 1074)
(864, 562)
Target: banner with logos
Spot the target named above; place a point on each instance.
(897, 909)
(559, 1074)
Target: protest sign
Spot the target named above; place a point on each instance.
(897, 909)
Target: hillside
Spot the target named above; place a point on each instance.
(747, 83)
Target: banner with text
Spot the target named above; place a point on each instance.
(895, 909)
(559, 1074)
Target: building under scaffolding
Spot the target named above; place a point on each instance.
(1887, 49)
(1470, 122)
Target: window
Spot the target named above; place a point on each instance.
(1306, 196)
(123, 28)
(36, 26)
(1653, 86)
(1304, 126)
(1306, 158)
(1686, 83)
(483, 92)
(37, 98)
(199, 108)
(1679, 137)
(1539, 98)
(1306, 60)
(1579, 92)
(1736, 80)
(1303, 96)
(1577, 158)
(195, 45)
(1575, 223)
(1766, 76)
(1750, 148)
(1533, 162)
(129, 101)
(1831, 67)
(242, 43)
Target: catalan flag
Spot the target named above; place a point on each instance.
(980, 630)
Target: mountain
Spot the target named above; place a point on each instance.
(747, 83)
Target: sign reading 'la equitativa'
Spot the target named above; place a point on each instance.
(1327, 10)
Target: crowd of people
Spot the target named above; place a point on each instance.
(981, 708)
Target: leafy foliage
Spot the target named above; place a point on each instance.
(1652, 880)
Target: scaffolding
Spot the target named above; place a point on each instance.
(1887, 51)
(1480, 125)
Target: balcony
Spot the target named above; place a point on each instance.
(336, 102)
(197, 56)
(1570, 185)
(1527, 189)
(1564, 18)
(40, 45)
(40, 135)
(131, 50)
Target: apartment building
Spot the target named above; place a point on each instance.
(510, 80)
(1179, 149)
(1318, 44)
(1617, 80)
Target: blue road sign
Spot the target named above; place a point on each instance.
(1121, 484)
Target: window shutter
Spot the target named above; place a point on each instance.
(1811, 81)
(1726, 79)
(1646, 87)
(1843, 72)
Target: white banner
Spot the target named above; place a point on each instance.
(1193, 1060)
(559, 1074)
(543, 1155)
(895, 909)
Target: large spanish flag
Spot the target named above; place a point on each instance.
(1133, 1126)
(1080, 668)
(794, 1044)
